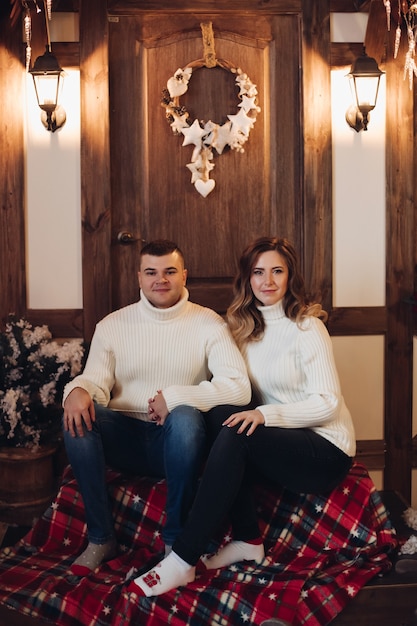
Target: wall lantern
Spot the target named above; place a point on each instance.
(365, 76)
(48, 76)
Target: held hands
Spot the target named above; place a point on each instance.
(251, 419)
(157, 408)
(78, 408)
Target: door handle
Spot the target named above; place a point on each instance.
(125, 238)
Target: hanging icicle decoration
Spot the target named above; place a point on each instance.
(27, 21)
(407, 11)
(410, 67)
(27, 24)
(398, 32)
(397, 41)
(387, 4)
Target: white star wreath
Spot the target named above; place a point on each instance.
(206, 136)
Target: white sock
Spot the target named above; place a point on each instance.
(234, 552)
(94, 555)
(170, 573)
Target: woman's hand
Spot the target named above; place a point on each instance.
(157, 408)
(246, 418)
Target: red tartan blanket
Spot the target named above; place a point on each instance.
(320, 552)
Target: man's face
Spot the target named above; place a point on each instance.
(162, 279)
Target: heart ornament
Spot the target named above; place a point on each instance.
(204, 187)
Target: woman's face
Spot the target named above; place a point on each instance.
(269, 278)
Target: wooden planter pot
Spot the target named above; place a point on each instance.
(27, 483)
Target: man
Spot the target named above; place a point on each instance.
(154, 367)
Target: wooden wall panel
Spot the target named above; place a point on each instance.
(257, 192)
(95, 162)
(401, 255)
(240, 7)
(317, 216)
(63, 323)
(12, 199)
(358, 321)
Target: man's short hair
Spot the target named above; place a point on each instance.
(161, 247)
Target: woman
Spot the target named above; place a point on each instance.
(300, 435)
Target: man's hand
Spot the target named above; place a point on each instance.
(157, 408)
(78, 408)
(246, 418)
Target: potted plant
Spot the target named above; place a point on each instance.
(33, 372)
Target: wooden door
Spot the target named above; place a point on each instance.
(257, 192)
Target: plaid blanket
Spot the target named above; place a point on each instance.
(320, 552)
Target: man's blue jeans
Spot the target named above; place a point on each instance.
(175, 451)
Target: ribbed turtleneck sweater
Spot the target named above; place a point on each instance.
(186, 351)
(294, 373)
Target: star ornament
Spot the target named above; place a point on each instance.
(200, 168)
(195, 171)
(242, 122)
(193, 134)
(207, 137)
(248, 104)
(219, 136)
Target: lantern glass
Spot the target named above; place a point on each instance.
(366, 91)
(47, 90)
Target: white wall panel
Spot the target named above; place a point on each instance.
(53, 203)
(360, 363)
(358, 202)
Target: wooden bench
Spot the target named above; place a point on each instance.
(392, 599)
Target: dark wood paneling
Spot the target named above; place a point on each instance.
(63, 323)
(205, 293)
(371, 453)
(285, 130)
(12, 167)
(95, 163)
(349, 6)
(379, 603)
(237, 7)
(412, 299)
(377, 31)
(400, 229)
(67, 6)
(67, 53)
(316, 122)
(343, 54)
(358, 321)
(257, 192)
(414, 451)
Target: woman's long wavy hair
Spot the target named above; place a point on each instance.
(244, 318)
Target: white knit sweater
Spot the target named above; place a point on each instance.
(293, 371)
(186, 351)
